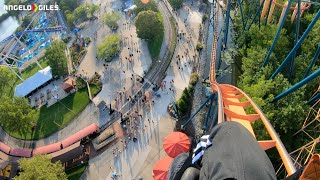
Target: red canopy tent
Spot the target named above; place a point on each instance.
(160, 170)
(176, 143)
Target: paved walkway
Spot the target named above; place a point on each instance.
(139, 157)
(110, 76)
(118, 73)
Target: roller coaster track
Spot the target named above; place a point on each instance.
(231, 106)
(49, 29)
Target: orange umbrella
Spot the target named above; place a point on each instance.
(176, 143)
(160, 170)
(145, 1)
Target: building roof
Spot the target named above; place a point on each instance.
(79, 135)
(21, 152)
(47, 149)
(33, 82)
(66, 154)
(68, 84)
(5, 148)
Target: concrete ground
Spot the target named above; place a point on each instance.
(116, 75)
(139, 157)
(44, 98)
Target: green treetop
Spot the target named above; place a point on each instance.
(16, 115)
(55, 54)
(5, 77)
(149, 25)
(109, 47)
(111, 20)
(40, 167)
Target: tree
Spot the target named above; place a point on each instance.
(109, 47)
(111, 20)
(287, 114)
(92, 8)
(70, 18)
(185, 101)
(13, 2)
(149, 25)
(199, 46)
(80, 13)
(85, 11)
(80, 83)
(176, 4)
(55, 54)
(204, 18)
(68, 4)
(5, 77)
(26, 21)
(193, 79)
(151, 5)
(16, 115)
(40, 167)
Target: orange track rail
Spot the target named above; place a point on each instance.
(231, 108)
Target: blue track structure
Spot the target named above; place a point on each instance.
(256, 15)
(296, 38)
(297, 45)
(316, 55)
(298, 85)
(210, 98)
(227, 23)
(298, 41)
(49, 29)
(277, 35)
(314, 99)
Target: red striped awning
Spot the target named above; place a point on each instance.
(79, 135)
(21, 152)
(5, 148)
(47, 149)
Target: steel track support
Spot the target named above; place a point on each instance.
(277, 34)
(241, 12)
(249, 15)
(297, 38)
(297, 86)
(227, 23)
(314, 99)
(267, 15)
(197, 111)
(315, 57)
(297, 45)
(256, 15)
(205, 123)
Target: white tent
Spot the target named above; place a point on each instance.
(33, 82)
(130, 8)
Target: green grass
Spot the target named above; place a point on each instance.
(34, 68)
(57, 116)
(94, 89)
(155, 45)
(76, 172)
